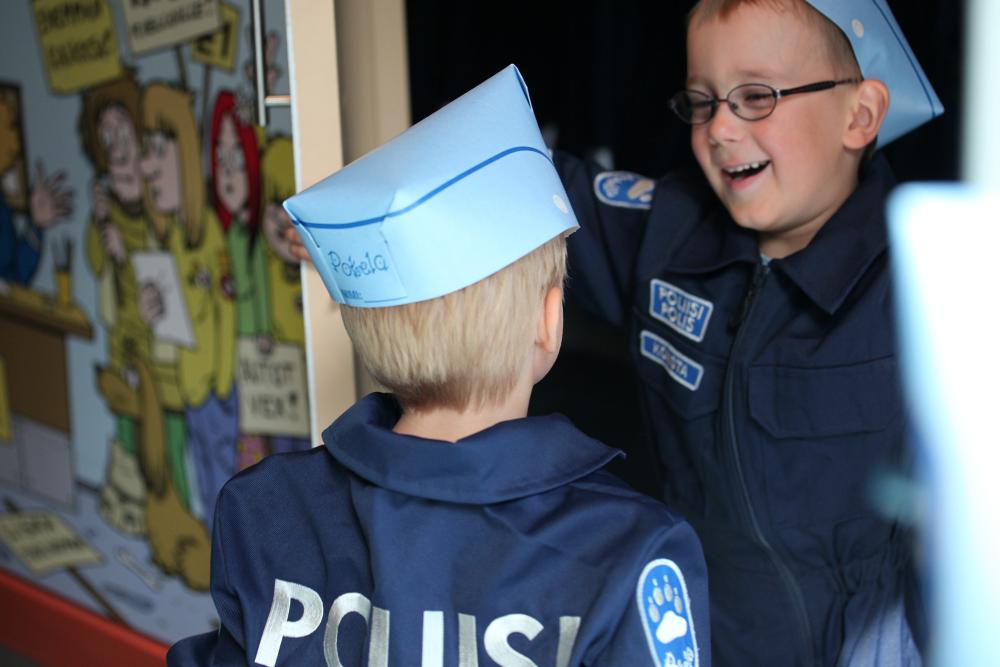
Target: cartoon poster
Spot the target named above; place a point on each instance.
(14, 179)
(146, 294)
(44, 542)
(78, 42)
(218, 48)
(4, 403)
(274, 398)
(156, 24)
(159, 269)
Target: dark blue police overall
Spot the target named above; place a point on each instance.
(771, 392)
(510, 547)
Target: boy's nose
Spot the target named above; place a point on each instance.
(724, 126)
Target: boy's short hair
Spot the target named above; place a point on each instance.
(838, 46)
(465, 348)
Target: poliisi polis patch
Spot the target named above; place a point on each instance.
(679, 367)
(665, 610)
(624, 189)
(685, 313)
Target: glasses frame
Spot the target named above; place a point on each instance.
(776, 94)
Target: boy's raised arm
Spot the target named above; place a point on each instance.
(611, 207)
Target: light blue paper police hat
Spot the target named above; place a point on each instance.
(450, 201)
(883, 53)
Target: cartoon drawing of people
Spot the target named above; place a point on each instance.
(235, 186)
(108, 126)
(283, 268)
(48, 202)
(195, 383)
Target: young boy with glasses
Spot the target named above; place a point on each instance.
(439, 525)
(760, 306)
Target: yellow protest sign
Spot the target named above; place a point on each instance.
(79, 43)
(157, 24)
(218, 48)
(4, 403)
(44, 542)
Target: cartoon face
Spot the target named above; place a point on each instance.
(160, 166)
(276, 221)
(121, 145)
(232, 184)
(784, 175)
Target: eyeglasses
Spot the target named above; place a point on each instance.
(750, 101)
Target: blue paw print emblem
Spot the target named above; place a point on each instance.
(664, 608)
(624, 189)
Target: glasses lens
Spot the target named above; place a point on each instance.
(692, 106)
(753, 101)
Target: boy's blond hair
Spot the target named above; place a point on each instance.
(838, 47)
(463, 349)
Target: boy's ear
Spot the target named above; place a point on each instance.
(870, 105)
(549, 335)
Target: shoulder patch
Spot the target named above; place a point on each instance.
(680, 368)
(624, 189)
(665, 612)
(685, 313)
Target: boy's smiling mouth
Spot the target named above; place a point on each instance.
(741, 176)
(746, 170)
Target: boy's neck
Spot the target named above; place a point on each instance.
(452, 425)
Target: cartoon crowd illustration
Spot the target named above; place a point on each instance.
(184, 240)
(178, 436)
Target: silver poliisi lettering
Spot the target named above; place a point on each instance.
(497, 632)
(278, 626)
(468, 650)
(378, 645)
(348, 603)
(433, 643)
(569, 626)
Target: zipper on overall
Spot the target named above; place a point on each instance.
(761, 271)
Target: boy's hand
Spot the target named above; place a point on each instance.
(295, 246)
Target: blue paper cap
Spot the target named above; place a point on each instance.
(450, 201)
(883, 53)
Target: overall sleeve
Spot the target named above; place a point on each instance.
(611, 207)
(666, 619)
(225, 646)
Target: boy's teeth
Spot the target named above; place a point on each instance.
(746, 167)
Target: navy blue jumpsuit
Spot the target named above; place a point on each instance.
(772, 394)
(511, 547)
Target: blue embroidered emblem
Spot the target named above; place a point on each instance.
(685, 313)
(665, 610)
(679, 367)
(624, 189)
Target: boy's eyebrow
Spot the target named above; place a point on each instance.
(740, 77)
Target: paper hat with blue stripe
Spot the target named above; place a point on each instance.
(452, 200)
(883, 53)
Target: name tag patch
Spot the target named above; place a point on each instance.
(624, 189)
(679, 367)
(685, 313)
(665, 610)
